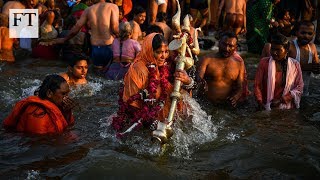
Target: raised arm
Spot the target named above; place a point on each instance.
(75, 29)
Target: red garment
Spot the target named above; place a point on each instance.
(37, 116)
(261, 83)
(45, 52)
(127, 6)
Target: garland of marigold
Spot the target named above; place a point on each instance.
(150, 107)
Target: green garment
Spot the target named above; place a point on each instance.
(259, 14)
(78, 7)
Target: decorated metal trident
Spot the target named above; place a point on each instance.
(164, 130)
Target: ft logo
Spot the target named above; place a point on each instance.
(23, 23)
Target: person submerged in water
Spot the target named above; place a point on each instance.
(49, 111)
(223, 74)
(77, 70)
(278, 81)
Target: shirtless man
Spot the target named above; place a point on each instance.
(235, 18)
(222, 72)
(303, 50)
(162, 23)
(103, 19)
(139, 16)
(77, 71)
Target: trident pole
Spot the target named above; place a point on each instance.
(175, 95)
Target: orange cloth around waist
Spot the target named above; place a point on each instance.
(36, 116)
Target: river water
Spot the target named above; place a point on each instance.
(211, 143)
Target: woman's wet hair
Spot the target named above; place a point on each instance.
(157, 41)
(280, 40)
(52, 83)
(78, 57)
(125, 30)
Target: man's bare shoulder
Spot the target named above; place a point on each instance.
(212, 55)
(209, 58)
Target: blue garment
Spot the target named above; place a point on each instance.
(102, 55)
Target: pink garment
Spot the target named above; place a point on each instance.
(294, 84)
(130, 48)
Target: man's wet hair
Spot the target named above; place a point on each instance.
(139, 9)
(157, 41)
(154, 29)
(51, 82)
(161, 16)
(228, 34)
(305, 23)
(280, 39)
(76, 58)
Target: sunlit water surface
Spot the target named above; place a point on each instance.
(209, 143)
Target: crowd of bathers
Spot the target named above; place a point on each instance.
(143, 43)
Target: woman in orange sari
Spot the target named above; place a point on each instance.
(145, 96)
(48, 112)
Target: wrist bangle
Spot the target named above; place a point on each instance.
(190, 85)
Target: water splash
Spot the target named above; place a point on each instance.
(32, 85)
(232, 136)
(316, 76)
(33, 174)
(87, 90)
(189, 134)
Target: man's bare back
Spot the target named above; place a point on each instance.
(103, 19)
(235, 18)
(234, 6)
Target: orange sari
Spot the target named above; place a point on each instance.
(137, 77)
(37, 116)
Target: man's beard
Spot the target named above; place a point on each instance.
(225, 54)
(304, 41)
